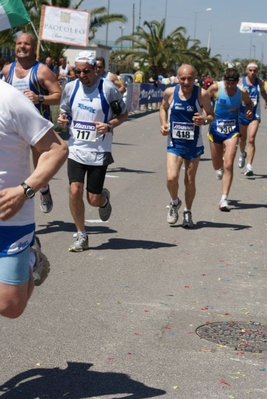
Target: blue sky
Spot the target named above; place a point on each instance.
(220, 27)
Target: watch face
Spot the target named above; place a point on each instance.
(41, 98)
(30, 193)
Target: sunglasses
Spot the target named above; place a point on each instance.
(85, 71)
(99, 66)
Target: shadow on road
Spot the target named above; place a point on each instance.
(123, 243)
(59, 225)
(256, 176)
(240, 205)
(125, 170)
(75, 382)
(215, 225)
(201, 224)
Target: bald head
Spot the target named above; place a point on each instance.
(186, 69)
(186, 76)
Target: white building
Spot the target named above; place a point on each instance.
(99, 50)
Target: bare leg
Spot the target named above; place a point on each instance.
(243, 138)
(217, 151)
(174, 164)
(77, 205)
(253, 129)
(14, 298)
(229, 156)
(190, 181)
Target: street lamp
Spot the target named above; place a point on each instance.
(121, 28)
(196, 14)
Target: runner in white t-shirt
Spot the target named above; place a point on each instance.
(95, 106)
(21, 126)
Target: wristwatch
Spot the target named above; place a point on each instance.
(110, 128)
(28, 191)
(206, 122)
(41, 98)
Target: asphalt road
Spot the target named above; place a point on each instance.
(119, 320)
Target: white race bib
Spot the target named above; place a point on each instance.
(226, 126)
(85, 131)
(183, 130)
(254, 100)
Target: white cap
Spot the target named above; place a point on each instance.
(86, 56)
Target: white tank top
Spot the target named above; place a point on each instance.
(21, 84)
(64, 71)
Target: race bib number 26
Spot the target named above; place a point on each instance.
(183, 130)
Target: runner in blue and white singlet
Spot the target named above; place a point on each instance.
(255, 88)
(181, 118)
(39, 84)
(185, 137)
(224, 134)
(226, 109)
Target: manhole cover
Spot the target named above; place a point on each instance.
(244, 336)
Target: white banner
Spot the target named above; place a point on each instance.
(253, 27)
(65, 25)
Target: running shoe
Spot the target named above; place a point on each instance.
(241, 160)
(223, 206)
(173, 216)
(187, 222)
(80, 245)
(105, 211)
(41, 267)
(249, 171)
(219, 174)
(46, 204)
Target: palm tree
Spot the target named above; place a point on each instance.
(162, 54)
(99, 18)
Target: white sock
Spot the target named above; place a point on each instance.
(44, 189)
(224, 197)
(175, 202)
(82, 233)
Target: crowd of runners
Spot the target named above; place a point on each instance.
(91, 106)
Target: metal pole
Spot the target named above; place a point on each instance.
(140, 8)
(195, 25)
(209, 40)
(250, 47)
(165, 17)
(106, 41)
(133, 27)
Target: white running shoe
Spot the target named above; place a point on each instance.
(219, 174)
(241, 160)
(173, 216)
(80, 245)
(223, 205)
(249, 171)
